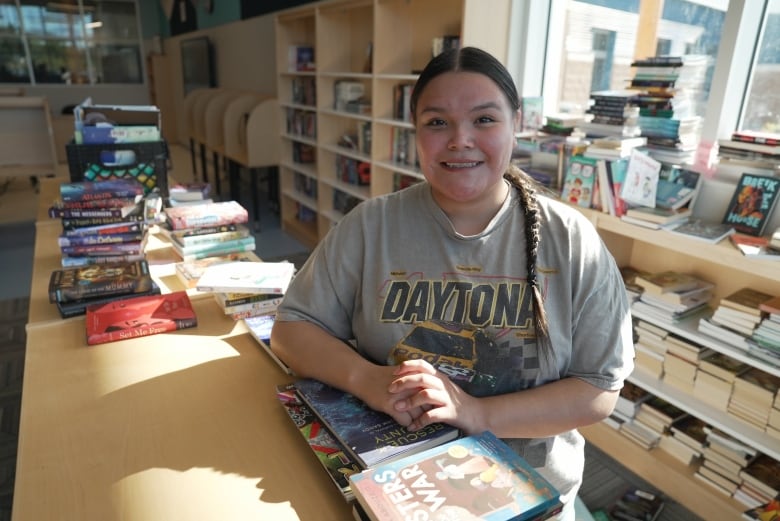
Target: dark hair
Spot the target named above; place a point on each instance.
(472, 59)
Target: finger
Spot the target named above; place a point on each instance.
(414, 382)
(414, 366)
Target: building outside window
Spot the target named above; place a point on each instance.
(70, 42)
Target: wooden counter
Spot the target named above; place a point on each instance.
(175, 426)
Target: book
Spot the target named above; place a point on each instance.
(754, 136)
(77, 308)
(206, 247)
(260, 329)
(68, 284)
(208, 214)
(190, 271)
(755, 247)
(580, 181)
(269, 304)
(189, 191)
(642, 177)
(102, 238)
(475, 477)
(764, 474)
(678, 190)
(247, 277)
(139, 316)
(701, 230)
(331, 454)
(97, 190)
(747, 300)
(370, 436)
(656, 216)
(244, 245)
(231, 232)
(752, 203)
(637, 505)
(667, 281)
(57, 211)
(769, 511)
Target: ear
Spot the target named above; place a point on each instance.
(517, 123)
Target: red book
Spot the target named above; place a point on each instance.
(139, 316)
(761, 138)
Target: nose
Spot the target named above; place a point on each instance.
(460, 138)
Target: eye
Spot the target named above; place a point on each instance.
(486, 119)
(435, 122)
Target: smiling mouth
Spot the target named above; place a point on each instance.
(470, 164)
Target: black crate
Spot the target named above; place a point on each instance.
(149, 165)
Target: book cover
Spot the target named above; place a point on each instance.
(77, 308)
(371, 436)
(678, 190)
(57, 211)
(476, 477)
(260, 329)
(69, 284)
(209, 214)
(701, 230)
(579, 182)
(641, 179)
(247, 277)
(752, 136)
(331, 454)
(190, 271)
(98, 250)
(752, 203)
(139, 316)
(96, 190)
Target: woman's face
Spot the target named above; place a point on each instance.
(465, 136)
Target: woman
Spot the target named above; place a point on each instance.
(467, 299)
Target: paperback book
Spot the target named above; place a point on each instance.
(755, 247)
(752, 203)
(209, 214)
(247, 277)
(476, 477)
(68, 284)
(701, 230)
(371, 437)
(189, 272)
(96, 190)
(138, 317)
(580, 181)
(77, 308)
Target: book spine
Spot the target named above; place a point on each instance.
(136, 332)
(90, 240)
(236, 299)
(218, 251)
(266, 306)
(112, 193)
(74, 223)
(122, 248)
(106, 229)
(95, 204)
(210, 239)
(84, 260)
(759, 140)
(84, 213)
(196, 248)
(206, 230)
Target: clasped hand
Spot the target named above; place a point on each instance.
(418, 395)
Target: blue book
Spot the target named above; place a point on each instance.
(475, 477)
(371, 436)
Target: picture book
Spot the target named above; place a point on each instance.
(641, 179)
(247, 277)
(209, 214)
(532, 112)
(475, 477)
(260, 329)
(752, 203)
(371, 436)
(331, 454)
(755, 247)
(701, 230)
(67, 284)
(678, 190)
(96, 190)
(139, 316)
(580, 181)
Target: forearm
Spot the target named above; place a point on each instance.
(544, 411)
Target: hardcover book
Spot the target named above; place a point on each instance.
(476, 477)
(139, 316)
(247, 277)
(641, 179)
(209, 214)
(580, 181)
(331, 454)
(371, 436)
(68, 284)
(751, 206)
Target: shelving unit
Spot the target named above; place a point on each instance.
(377, 44)
(657, 250)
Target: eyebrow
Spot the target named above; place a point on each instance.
(477, 108)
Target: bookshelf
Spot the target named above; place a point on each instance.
(657, 250)
(360, 52)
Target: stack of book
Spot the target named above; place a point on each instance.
(715, 379)
(630, 398)
(751, 149)
(670, 296)
(753, 397)
(764, 343)
(760, 481)
(736, 317)
(245, 289)
(671, 88)
(73, 289)
(475, 477)
(681, 362)
(650, 348)
(651, 422)
(102, 222)
(189, 272)
(723, 459)
(637, 504)
(209, 229)
(685, 440)
(611, 113)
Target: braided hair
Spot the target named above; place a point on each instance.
(472, 59)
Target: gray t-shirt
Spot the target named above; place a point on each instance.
(395, 279)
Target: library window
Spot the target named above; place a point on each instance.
(762, 102)
(69, 42)
(601, 38)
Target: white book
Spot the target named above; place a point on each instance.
(247, 277)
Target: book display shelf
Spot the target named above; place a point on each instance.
(336, 108)
(724, 265)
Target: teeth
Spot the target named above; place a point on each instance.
(462, 165)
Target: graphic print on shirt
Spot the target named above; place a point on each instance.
(479, 331)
